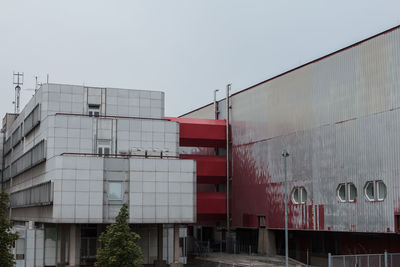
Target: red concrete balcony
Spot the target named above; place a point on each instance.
(211, 203)
(209, 169)
(201, 132)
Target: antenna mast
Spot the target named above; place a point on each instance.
(18, 80)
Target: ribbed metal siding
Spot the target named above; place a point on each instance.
(340, 120)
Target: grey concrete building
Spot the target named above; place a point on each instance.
(75, 154)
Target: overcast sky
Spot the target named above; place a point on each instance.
(185, 48)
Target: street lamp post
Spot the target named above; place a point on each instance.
(285, 154)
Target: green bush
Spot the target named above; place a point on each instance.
(7, 238)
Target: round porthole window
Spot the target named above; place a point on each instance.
(341, 192)
(375, 190)
(299, 195)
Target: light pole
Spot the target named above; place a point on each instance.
(228, 88)
(285, 154)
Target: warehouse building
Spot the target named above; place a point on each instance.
(339, 119)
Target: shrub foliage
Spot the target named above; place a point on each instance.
(118, 244)
(7, 237)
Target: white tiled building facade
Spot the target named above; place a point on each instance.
(75, 154)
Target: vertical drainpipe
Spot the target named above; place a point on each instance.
(215, 104)
(228, 87)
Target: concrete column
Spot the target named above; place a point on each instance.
(160, 262)
(39, 247)
(266, 242)
(175, 261)
(30, 247)
(62, 231)
(159, 242)
(74, 245)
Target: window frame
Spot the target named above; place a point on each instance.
(295, 191)
(115, 200)
(377, 193)
(93, 109)
(300, 193)
(373, 190)
(348, 185)
(103, 146)
(338, 192)
(376, 184)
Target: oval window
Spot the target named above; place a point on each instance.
(381, 190)
(369, 191)
(341, 192)
(352, 192)
(299, 195)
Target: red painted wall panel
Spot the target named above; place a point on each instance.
(201, 132)
(255, 194)
(211, 203)
(210, 169)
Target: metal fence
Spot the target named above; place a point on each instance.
(201, 248)
(364, 260)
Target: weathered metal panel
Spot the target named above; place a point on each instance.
(339, 118)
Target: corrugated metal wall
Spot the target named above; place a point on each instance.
(339, 118)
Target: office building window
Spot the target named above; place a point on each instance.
(94, 110)
(103, 147)
(115, 191)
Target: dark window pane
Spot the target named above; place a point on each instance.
(92, 247)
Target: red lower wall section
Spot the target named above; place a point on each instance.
(254, 193)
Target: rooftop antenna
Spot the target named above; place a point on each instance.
(18, 80)
(36, 83)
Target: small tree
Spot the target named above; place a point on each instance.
(7, 238)
(119, 246)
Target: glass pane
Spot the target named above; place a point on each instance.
(295, 196)
(352, 192)
(369, 191)
(84, 245)
(381, 190)
(94, 110)
(50, 246)
(303, 195)
(103, 143)
(92, 247)
(100, 150)
(106, 151)
(342, 193)
(115, 191)
(20, 246)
